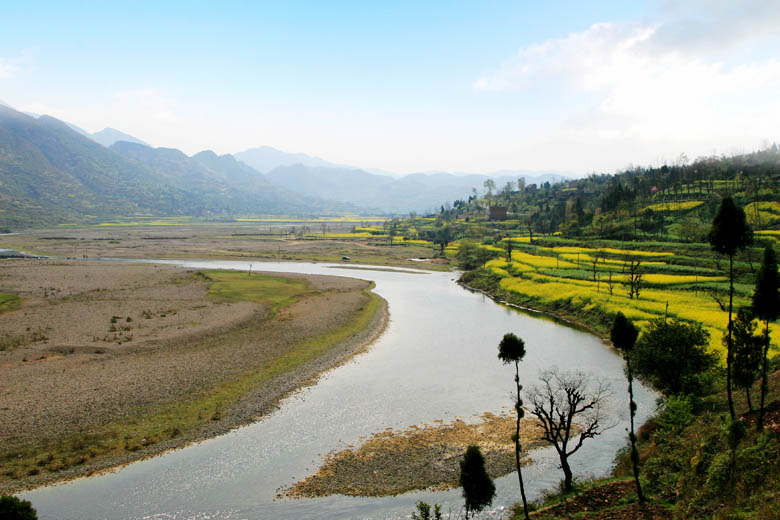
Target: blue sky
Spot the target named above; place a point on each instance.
(409, 86)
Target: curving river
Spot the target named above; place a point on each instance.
(436, 360)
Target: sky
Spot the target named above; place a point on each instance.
(409, 86)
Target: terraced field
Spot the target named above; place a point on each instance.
(594, 284)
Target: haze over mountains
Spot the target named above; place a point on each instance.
(388, 193)
(106, 137)
(53, 172)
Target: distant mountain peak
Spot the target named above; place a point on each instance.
(206, 154)
(266, 158)
(109, 136)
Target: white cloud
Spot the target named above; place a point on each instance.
(7, 69)
(647, 91)
(590, 59)
(707, 25)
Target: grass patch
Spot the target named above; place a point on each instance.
(274, 292)
(9, 302)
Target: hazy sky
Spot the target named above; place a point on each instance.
(408, 86)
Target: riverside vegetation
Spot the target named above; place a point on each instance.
(662, 248)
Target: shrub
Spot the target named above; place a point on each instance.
(672, 354)
(12, 508)
(676, 416)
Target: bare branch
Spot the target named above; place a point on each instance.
(718, 301)
(566, 404)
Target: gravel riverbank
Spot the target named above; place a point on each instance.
(94, 343)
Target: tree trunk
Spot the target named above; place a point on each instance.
(517, 441)
(729, 348)
(764, 381)
(568, 477)
(632, 436)
(747, 394)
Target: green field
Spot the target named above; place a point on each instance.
(8, 302)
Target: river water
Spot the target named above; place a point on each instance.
(436, 360)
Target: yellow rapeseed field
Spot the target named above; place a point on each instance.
(675, 206)
(765, 213)
(671, 279)
(543, 261)
(346, 235)
(661, 298)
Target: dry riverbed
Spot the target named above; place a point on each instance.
(249, 241)
(104, 363)
(420, 457)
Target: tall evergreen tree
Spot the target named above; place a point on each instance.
(748, 351)
(766, 306)
(730, 233)
(623, 336)
(478, 487)
(512, 350)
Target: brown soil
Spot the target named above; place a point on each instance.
(602, 503)
(231, 240)
(95, 342)
(771, 417)
(394, 462)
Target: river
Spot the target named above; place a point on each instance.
(436, 360)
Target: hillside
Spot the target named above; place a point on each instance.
(222, 183)
(638, 243)
(52, 174)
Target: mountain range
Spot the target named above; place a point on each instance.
(52, 172)
(380, 191)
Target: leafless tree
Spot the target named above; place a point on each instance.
(634, 279)
(569, 406)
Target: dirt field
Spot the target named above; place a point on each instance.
(99, 344)
(239, 240)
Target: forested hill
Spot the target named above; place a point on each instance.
(668, 202)
(51, 174)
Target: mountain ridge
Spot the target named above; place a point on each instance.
(51, 174)
(109, 136)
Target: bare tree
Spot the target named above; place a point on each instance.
(634, 279)
(489, 185)
(563, 398)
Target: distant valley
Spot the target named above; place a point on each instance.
(53, 172)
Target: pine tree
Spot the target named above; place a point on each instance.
(730, 234)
